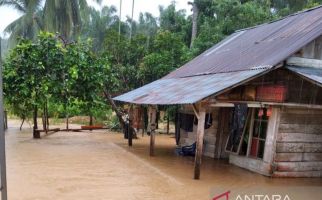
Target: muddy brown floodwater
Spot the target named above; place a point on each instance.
(99, 165)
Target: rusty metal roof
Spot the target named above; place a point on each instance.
(244, 55)
(310, 73)
(187, 90)
(264, 45)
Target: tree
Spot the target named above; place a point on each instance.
(86, 75)
(26, 26)
(47, 71)
(32, 74)
(175, 21)
(169, 53)
(286, 7)
(98, 24)
(195, 13)
(60, 16)
(220, 18)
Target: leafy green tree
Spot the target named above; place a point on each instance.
(32, 74)
(222, 17)
(47, 71)
(169, 53)
(286, 7)
(175, 21)
(86, 75)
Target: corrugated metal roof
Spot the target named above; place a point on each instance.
(313, 74)
(186, 90)
(265, 45)
(242, 56)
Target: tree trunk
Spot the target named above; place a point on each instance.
(91, 120)
(23, 120)
(114, 107)
(195, 13)
(44, 121)
(47, 116)
(36, 133)
(67, 123)
(117, 111)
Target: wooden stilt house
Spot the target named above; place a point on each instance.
(255, 98)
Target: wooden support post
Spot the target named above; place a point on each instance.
(130, 129)
(168, 124)
(153, 112)
(5, 120)
(36, 133)
(200, 135)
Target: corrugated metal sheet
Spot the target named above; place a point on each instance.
(243, 55)
(313, 74)
(186, 90)
(265, 45)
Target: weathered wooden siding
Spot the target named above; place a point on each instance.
(187, 138)
(299, 144)
(313, 50)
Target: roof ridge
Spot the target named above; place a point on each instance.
(230, 71)
(282, 18)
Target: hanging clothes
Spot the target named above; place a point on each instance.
(208, 121)
(177, 127)
(238, 120)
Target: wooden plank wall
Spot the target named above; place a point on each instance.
(299, 144)
(187, 138)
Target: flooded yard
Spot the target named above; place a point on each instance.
(100, 165)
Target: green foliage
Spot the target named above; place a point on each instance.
(222, 17)
(286, 7)
(169, 53)
(29, 76)
(48, 72)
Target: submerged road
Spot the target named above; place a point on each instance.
(99, 165)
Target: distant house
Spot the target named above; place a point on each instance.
(257, 97)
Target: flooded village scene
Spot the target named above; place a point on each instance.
(162, 99)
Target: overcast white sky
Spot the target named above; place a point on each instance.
(7, 14)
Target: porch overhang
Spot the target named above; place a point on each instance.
(311, 74)
(188, 90)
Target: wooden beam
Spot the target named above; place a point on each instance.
(199, 146)
(130, 130)
(256, 104)
(153, 112)
(304, 62)
(271, 134)
(250, 136)
(195, 110)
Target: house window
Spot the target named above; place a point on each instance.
(259, 133)
(253, 137)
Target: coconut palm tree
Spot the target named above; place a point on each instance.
(60, 16)
(98, 24)
(64, 16)
(26, 26)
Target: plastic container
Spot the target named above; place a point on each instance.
(273, 93)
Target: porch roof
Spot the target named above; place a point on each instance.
(311, 74)
(188, 90)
